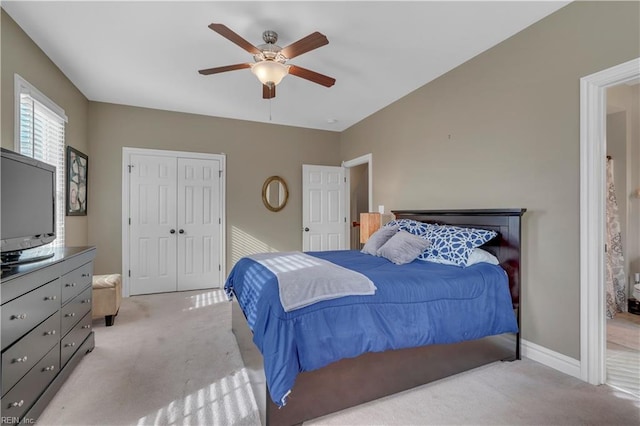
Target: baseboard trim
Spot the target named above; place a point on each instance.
(550, 358)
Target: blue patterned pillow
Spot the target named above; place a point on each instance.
(411, 226)
(452, 244)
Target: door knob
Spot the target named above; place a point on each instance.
(181, 231)
(306, 229)
(172, 231)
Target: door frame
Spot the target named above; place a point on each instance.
(127, 152)
(363, 159)
(593, 108)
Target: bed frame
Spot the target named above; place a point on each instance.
(353, 381)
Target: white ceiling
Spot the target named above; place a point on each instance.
(147, 53)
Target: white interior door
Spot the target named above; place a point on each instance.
(173, 221)
(198, 224)
(152, 208)
(323, 208)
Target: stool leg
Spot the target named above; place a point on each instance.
(108, 320)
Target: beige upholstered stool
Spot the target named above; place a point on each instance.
(107, 295)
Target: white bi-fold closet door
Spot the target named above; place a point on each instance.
(175, 221)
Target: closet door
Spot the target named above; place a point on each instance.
(152, 210)
(199, 227)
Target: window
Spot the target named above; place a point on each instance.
(40, 135)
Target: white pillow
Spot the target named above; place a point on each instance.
(478, 255)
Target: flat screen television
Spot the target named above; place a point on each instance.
(27, 208)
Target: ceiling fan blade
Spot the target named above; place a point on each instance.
(268, 91)
(226, 68)
(227, 33)
(310, 42)
(311, 76)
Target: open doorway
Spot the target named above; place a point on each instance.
(358, 174)
(592, 215)
(359, 196)
(622, 366)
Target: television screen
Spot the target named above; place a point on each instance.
(27, 202)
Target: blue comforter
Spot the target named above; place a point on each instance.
(416, 304)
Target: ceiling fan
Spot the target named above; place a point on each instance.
(270, 59)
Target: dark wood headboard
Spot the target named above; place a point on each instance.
(506, 246)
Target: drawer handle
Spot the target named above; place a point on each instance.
(49, 333)
(72, 314)
(70, 285)
(19, 316)
(70, 345)
(51, 368)
(51, 298)
(23, 359)
(18, 404)
(86, 326)
(86, 301)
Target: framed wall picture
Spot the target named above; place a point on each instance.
(77, 168)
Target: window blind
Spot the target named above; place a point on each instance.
(41, 136)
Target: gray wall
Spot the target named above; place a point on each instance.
(254, 151)
(502, 130)
(19, 54)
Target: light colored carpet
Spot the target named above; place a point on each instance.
(171, 359)
(504, 393)
(623, 369)
(623, 352)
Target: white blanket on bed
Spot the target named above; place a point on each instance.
(304, 279)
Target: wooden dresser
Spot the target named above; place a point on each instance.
(46, 329)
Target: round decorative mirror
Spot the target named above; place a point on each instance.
(275, 193)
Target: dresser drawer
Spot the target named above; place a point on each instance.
(14, 287)
(76, 280)
(19, 358)
(22, 314)
(72, 341)
(73, 311)
(19, 399)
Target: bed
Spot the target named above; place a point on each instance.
(339, 377)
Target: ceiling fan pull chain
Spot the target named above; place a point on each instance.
(270, 110)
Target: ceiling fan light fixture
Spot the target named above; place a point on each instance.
(270, 59)
(270, 71)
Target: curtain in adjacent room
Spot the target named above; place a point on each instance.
(616, 277)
